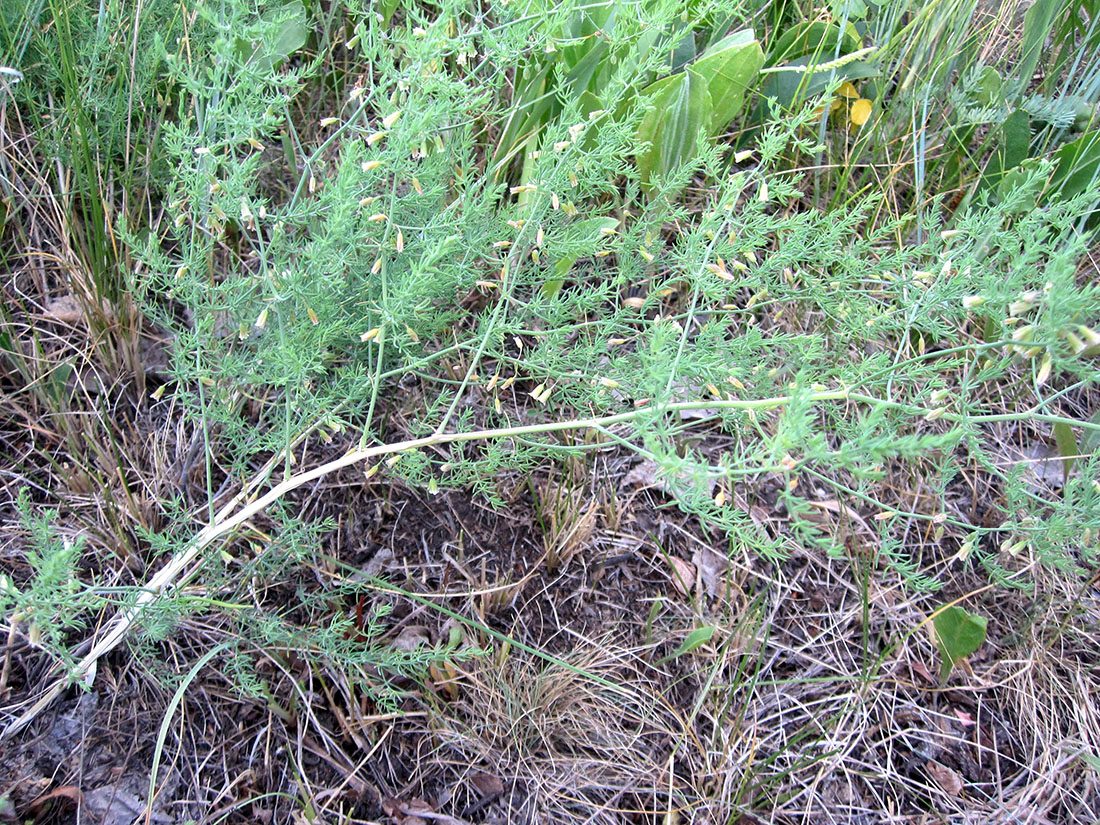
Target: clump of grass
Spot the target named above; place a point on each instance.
(561, 744)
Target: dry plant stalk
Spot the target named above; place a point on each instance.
(227, 520)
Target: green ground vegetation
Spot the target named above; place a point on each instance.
(843, 248)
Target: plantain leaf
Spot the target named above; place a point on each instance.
(801, 78)
(1014, 182)
(684, 51)
(587, 103)
(680, 114)
(1013, 150)
(816, 38)
(989, 90)
(1038, 21)
(696, 639)
(653, 94)
(729, 67)
(582, 240)
(288, 33)
(1067, 446)
(958, 634)
(1017, 139)
(1077, 164)
(1090, 439)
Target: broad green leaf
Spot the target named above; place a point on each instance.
(643, 45)
(1085, 112)
(582, 241)
(850, 9)
(696, 639)
(292, 34)
(684, 51)
(1067, 446)
(1038, 22)
(1090, 439)
(680, 114)
(57, 383)
(800, 79)
(655, 98)
(287, 34)
(1077, 164)
(958, 634)
(689, 116)
(988, 92)
(730, 67)
(817, 38)
(585, 237)
(1016, 137)
(991, 329)
(587, 103)
(387, 8)
(1013, 149)
(1014, 182)
(651, 93)
(562, 268)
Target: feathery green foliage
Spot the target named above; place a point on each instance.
(320, 276)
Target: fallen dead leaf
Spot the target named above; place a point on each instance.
(415, 812)
(412, 637)
(380, 561)
(445, 675)
(43, 803)
(643, 475)
(1042, 467)
(487, 784)
(946, 778)
(712, 567)
(921, 669)
(683, 575)
(65, 309)
(648, 475)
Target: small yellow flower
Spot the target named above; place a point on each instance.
(860, 112)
